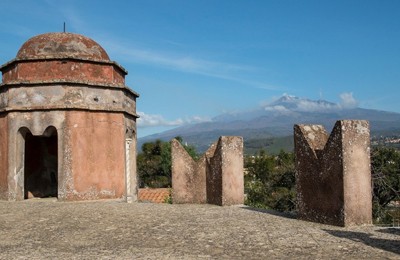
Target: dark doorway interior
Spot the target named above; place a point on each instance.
(41, 170)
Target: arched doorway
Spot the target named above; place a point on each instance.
(40, 164)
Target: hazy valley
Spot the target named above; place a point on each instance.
(270, 127)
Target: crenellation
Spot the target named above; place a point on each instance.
(216, 178)
(334, 184)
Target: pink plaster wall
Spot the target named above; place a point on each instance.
(97, 155)
(188, 176)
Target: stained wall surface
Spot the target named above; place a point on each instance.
(216, 178)
(188, 175)
(91, 154)
(225, 182)
(54, 70)
(96, 147)
(333, 177)
(3, 157)
(357, 173)
(21, 124)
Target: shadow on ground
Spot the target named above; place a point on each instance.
(368, 239)
(393, 231)
(290, 215)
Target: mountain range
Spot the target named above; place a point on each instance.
(274, 121)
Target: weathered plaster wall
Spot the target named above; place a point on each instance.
(3, 157)
(61, 96)
(188, 176)
(357, 172)
(225, 183)
(95, 143)
(320, 193)
(91, 153)
(19, 124)
(65, 70)
(216, 178)
(333, 176)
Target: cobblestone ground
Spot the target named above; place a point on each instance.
(46, 229)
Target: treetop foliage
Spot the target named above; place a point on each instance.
(154, 163)
(270, 181)
(385, 167)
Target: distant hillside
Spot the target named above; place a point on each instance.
(272, 125)
(273, 145)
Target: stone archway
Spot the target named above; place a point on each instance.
(41, 164)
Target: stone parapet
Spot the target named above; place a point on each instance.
(333, 175)
(188, 175)
(216, 178)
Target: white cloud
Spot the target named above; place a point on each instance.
(280, 109)
(149, 120)
(313, 106)
(129, 53)
(347, 100)
(288, 103)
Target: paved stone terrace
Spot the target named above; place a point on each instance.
(46, 229)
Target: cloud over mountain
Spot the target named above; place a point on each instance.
(347, 100)
(154, 120)
(289, 104)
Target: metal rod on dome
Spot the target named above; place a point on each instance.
(64, 26)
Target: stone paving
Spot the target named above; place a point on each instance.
(46, 229)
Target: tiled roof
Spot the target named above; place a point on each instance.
(154, 195)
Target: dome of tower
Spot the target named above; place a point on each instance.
(62, 45)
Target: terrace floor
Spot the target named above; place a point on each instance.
(46, 229)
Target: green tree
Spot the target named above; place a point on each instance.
(385, 164)
(270, 181)
(154, 163)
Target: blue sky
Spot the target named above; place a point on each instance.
(192, 60)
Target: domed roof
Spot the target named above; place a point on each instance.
(61, 45)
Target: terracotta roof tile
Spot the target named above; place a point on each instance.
(154, 195)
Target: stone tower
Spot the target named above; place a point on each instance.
(67, 122)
